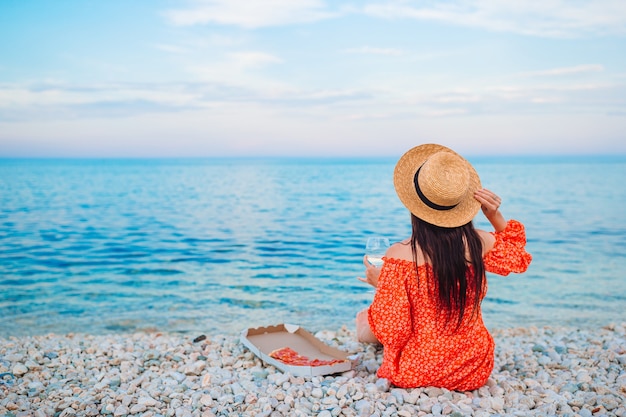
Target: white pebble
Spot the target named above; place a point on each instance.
(317, 393)
(138, 408)
(122, 410)
(570, 371)
(342, 391)
(20, 369)
(583, 376)
(206, 400)
(147, 401)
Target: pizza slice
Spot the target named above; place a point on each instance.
(290, 357)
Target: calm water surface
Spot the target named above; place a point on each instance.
(219, 245)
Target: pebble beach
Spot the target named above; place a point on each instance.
(538, 372)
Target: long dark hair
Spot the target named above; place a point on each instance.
(445, 250)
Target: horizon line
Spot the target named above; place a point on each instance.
(509, 156)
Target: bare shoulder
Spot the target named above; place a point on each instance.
(488, 240)
(401, 250)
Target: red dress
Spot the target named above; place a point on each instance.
(419, 350)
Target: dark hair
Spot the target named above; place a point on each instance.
(445, 250)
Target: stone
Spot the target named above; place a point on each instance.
(342, 391)
(19, 369)
(121, 410)
(138, 408)
(147, 401)
(154, 375)
(382, 384)
(317, 393)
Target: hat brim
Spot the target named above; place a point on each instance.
(403, 178)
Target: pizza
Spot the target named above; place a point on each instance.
(290, 357)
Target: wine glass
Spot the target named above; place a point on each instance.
(375, 249)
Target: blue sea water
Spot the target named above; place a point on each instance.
(219, 245)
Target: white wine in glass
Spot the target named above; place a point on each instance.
(375, 249)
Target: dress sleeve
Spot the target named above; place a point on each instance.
(509, 250)
(390, 313)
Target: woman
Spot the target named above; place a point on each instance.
(426, 311)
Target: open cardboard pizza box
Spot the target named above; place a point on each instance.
(263, 340)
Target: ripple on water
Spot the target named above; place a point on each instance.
(100, 247)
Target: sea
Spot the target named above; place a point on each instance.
(215, 246)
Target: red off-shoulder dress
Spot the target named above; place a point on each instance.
(419, 349)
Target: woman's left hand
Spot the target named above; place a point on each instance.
(371, 273)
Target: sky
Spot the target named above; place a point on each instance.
(213, 78)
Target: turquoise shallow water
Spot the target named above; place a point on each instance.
(219, 245)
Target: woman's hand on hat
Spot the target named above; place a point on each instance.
(490, 204)
(371, 273)
(489, 201)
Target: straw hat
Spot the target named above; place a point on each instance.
(437, 185)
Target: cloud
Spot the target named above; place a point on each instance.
(250, 14)
(209, 118)
(69, 101)
(62, 101)
(546, 18)
(374, 51)
(512, 100)
(579, 69)
(237, 79)
(241, 69)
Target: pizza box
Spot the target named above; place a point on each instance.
(263, 340)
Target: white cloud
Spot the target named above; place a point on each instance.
(239, 69)
(64, 119)
(579, 69)
(546, 18)
(250, 14)
(235, 79)
(58, 100)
